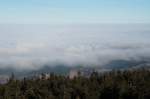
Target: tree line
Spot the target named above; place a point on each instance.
(128, 84)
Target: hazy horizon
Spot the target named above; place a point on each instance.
(35, 32)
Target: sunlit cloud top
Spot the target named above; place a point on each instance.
(32, 46)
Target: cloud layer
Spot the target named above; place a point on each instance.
(32, 46)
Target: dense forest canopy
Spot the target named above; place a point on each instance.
(128, 84)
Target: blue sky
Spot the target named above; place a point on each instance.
(74, 11)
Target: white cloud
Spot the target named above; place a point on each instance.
(32, 46)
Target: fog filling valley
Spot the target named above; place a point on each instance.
(29, 46)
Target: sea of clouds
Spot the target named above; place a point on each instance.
(29, 46)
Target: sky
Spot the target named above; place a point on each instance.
(90, 32)
(74, 11)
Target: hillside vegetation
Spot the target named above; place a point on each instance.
(131, 84)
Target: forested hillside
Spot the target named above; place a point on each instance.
(131, 84)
